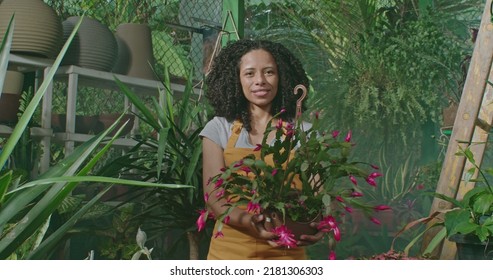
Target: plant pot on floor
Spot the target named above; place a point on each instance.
(469, 247)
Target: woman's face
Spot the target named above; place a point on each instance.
(259, 78)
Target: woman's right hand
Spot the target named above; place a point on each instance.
(258, 223)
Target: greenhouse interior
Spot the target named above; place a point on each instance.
(101, 150)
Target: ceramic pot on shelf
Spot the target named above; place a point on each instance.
(136, 48)
(38, 29)
(93, 47)
(10, 97)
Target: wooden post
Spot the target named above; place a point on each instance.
(465, 127)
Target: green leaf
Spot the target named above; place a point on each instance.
(437, 239)
(469, 174)
(483, 203)
(4, 185)
(100, 179)
(304, 166)
(327, 200)
(459, 221)
(5, 53)
(42, 251)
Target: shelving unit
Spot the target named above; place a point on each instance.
(76, 77)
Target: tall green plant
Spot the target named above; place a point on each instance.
(173, 154)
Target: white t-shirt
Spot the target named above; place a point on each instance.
(218, 130)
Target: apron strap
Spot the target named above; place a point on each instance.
(235, 134)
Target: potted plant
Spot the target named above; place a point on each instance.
(317, 162)
(469, 223)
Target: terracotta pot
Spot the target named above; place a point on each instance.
(298, 228)
(106, 120)
(9, 107)
(136, 47)
(38, 29)
(83, 124)
(10, 97)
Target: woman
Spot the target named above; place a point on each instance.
(249, 82)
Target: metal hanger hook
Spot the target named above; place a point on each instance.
(300, 100)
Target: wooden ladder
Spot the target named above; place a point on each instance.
(472, 124)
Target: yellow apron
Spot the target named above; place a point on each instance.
(235, 244)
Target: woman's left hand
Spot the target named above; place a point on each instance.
(306, 239)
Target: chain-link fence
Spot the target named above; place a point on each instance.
(179, 28)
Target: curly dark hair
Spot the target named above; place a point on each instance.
(223, 86)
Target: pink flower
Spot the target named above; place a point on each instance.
(285, 237)
(206, 197)
(220, 193)
(356, 194)
(329, 224)
(420, 187)
(375, 221)
(218, 183)
(201, 220)
(317, 114)
(348, 137)
(375, 175)
(274, 171)
(335, 133)
(339, 198)
(353, 179)
(246, 169)
(332, 255)
(348, 209)
(374, 166)
(279, 124)
(289, 132)
(382, 208)
(283, 110)
(218, 234)
(371, 181)
(226, 219)
(238, 164)
(253, 207)
(258, 147)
